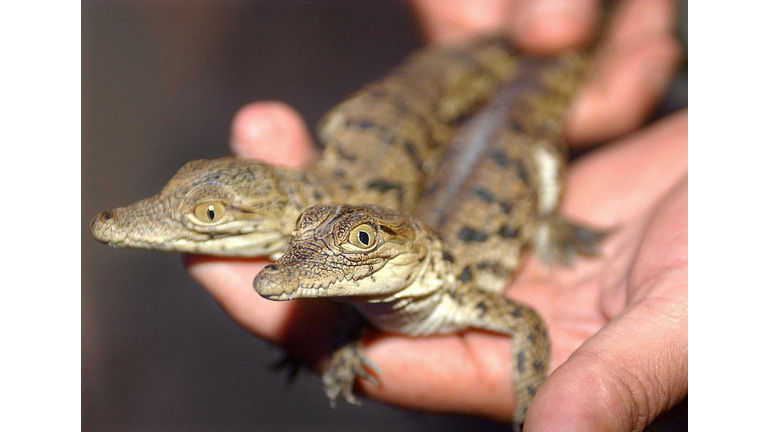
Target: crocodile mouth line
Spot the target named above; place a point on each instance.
(298, 293)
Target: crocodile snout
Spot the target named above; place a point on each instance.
(102, 227)
(273, 284)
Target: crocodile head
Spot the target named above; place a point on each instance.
(226, 206)
(347, 252)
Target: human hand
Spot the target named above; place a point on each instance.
(619, 323)
(636, 61)
(476, 365)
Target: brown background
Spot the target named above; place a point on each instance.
(160, 84)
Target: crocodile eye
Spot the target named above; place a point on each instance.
(363, 237)
(210, 213)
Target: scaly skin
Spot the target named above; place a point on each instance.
(495, 192)
(380, 146)
(398, 273)
(497, 189)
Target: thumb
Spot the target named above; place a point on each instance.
(272, 132)
(636, 367)
(622, 378)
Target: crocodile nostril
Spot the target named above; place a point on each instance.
(101, 222)
(105, 216)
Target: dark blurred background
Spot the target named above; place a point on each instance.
(161, 82)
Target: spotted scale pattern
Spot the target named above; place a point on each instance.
(380, 146)
(443, 270)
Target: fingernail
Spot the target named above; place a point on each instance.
(252, 123)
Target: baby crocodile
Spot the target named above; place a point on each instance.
(380, 146)
(443, 270)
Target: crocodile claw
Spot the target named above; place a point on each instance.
(348, 363)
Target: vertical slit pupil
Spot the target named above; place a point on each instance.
(363, 237)
(210, 213)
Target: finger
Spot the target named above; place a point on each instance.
(275, 133)
(538, 26)
(614, 184)
(272, 132)
(551, 26)
(448, 21)
(467, 374)
(631, 72)
(230, 282)
(629, 77)
(635, 368)
(300, 326)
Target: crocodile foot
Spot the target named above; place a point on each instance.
(348, 363)
(558, 238)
